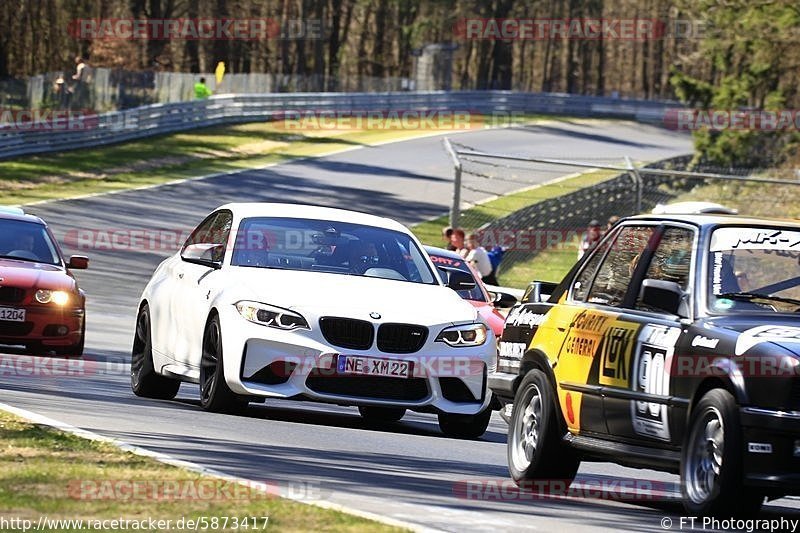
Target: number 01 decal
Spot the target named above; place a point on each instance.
(651, 376)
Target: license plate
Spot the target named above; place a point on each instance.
(372, 366)
(12, 315)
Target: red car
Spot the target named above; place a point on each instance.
(487, 303)
(41, 305)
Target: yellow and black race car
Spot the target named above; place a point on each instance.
(675, 345)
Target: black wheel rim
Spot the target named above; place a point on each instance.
(140, 346)
(209, 363)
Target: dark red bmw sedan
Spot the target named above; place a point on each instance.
(41, 306)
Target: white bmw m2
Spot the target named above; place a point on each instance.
(311, 303)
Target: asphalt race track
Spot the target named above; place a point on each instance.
(407, 471)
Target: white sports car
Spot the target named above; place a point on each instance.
(291, 301)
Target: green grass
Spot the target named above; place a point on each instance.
(44, 472)
(547, 265)
(176, 156)
(752, 199)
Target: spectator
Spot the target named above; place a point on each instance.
(62, 92)
(479, 258)
(457, 242)
(612, 221)
(447, 234)
(201, 92)
(590, 238)
(80, 89)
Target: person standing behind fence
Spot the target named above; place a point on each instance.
(80, 89)
(447, 234)
(479, 259)
(590, 238)
(457, 242)
(201, 92)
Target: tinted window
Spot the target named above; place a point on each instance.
(333, 247)
(614, 274)
(475, 293)
(672, 259)
(27, 241)
(584, 280)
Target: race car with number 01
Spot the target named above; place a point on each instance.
(674, 345)
(302, 302)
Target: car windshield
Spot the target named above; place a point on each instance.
(754, 269)
(27, 241)
(475, 294)
(332, 247)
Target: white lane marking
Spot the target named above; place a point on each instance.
(200, 469)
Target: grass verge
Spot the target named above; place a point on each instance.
(550, 264)
(177, 156)
(44, 472)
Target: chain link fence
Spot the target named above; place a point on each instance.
(540, 208)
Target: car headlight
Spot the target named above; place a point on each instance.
(269, 315)
(464, 335)
(45, 296)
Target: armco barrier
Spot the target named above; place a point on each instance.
(159, 119)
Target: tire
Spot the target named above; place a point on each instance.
(712, 472)
(381, 415)
(215, 395)
(536, 450)
(465, 426)
(145, 381)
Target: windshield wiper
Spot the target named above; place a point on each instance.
(750, 296)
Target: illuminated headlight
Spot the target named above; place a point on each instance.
(45, 296)
(269, 315)
(465, 335)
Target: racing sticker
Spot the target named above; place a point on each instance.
(615, 354)
(753, 336)
(655, 350)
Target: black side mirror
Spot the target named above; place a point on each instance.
(660, 294)
(503, 300)
(206, 254)
(458, 280)
(78, 262)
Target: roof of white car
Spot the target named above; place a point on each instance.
(265, 209)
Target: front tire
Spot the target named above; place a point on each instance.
(712, 473)
(381, 415)
(215, 395)
(535, 447)
(465, 426)
(145, 381)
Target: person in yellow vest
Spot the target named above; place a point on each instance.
(200, 90)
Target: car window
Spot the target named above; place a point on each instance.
(614, 275)
(672, 259)
(580, 289)
(27, 241)
(475, 293)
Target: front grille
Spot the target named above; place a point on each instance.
(455, 390)
(11, 295)
(401, 338)
(15, 329)
(375, 387)
(347, 332)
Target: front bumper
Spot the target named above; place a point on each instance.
(49, 326)
(270, 363)
(770, 442)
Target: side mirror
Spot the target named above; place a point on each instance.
(206, 254)
(458, 280)
(503, 300)
(660, 294)
(78, 262)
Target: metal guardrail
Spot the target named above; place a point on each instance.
(158, 119)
